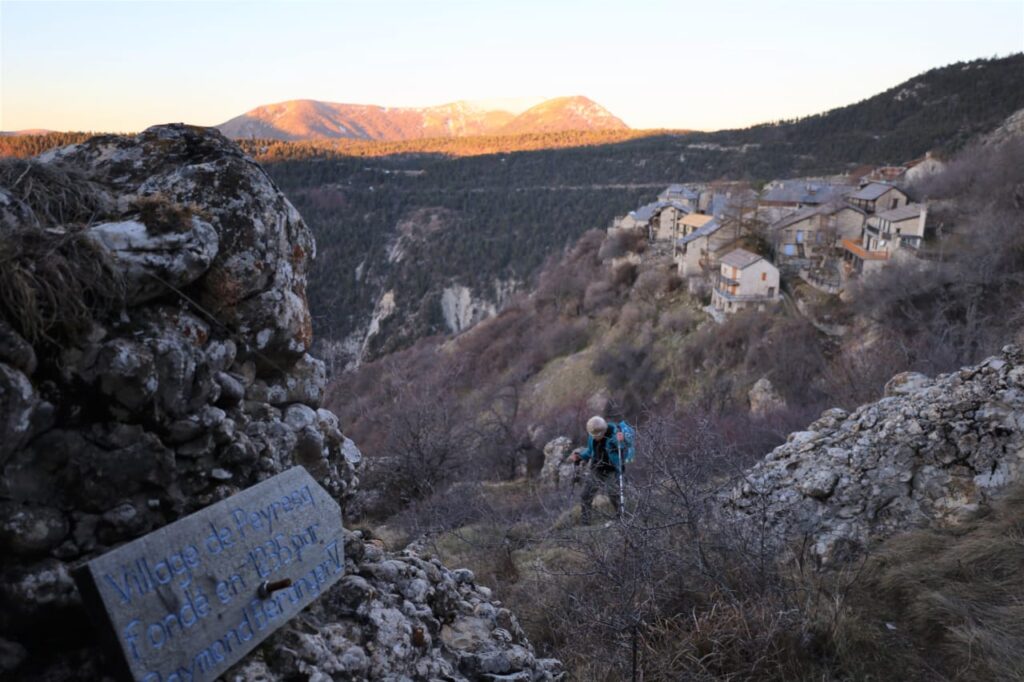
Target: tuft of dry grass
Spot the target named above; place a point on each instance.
(960, 591)
(54, 284)
(55, 196)
(161, 215)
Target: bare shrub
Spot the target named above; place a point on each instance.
(651, 283)
(678, 320)
(600, 294)
(618, 244)
(630, 368)
(624, 274)
(562, 337)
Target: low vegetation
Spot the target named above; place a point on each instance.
(675, 592)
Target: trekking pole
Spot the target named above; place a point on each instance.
(575, 480)
(622, 486)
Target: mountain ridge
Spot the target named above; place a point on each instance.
(308, 119)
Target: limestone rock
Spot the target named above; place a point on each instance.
(930, 452)
(764, 399)
(399, 616)
(198, 387)
(156, 261)
(557, 470)
(256, 283)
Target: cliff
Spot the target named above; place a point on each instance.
(154, 338)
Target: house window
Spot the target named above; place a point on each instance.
(764, 276)
(771, 292)
(799, 236)
(895, 203)
(789, 249)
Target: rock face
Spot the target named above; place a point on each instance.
(399, 617)
(192, 384)
(929, 452)
(764, 399)
(557, 470)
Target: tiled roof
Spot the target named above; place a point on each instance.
(681, 190)
(648, 211)
(808, 211)
(805, 192)
(697, 219)
(862, 253)
(740, 258)
(895, 215)
(795, 217)
(872, 191)
(708, 229)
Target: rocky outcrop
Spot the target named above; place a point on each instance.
(930, 452)
(764, 399)
(191, 382)
(399, 617)
(557, 470)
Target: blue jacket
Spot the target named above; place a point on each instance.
(611, 448)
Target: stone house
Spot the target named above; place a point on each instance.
(699, 252)
(660, 219)
(692, 223)
(683, 194)
(813, 230)
(897, 228)
(879, 196)
(886, 235)
(746, 280)
(782, 197)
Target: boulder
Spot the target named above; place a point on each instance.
(257, 280)
(157, 260)
(557, 470)
(764, 399)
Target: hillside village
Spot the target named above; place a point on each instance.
(742, 247)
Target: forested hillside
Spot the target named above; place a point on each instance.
(485, 212)
(449, 425)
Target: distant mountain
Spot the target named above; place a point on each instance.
(314, 120)
(564, 113)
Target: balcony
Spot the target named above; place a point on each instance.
(862, 253)
(744, 298)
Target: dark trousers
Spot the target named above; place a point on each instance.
(598, 480)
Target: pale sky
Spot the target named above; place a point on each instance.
(123, 66)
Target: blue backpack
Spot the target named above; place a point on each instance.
(628, 448)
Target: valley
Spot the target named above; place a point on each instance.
(814, 327)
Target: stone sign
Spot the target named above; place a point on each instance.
(189, 600)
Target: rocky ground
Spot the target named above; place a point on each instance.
(929, 453)
(154, 359)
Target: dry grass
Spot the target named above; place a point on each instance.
(56, 196)
(960, 592)
(55, 284)
(930, 605)
(161, 215)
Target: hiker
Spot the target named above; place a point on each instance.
(602, 452)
